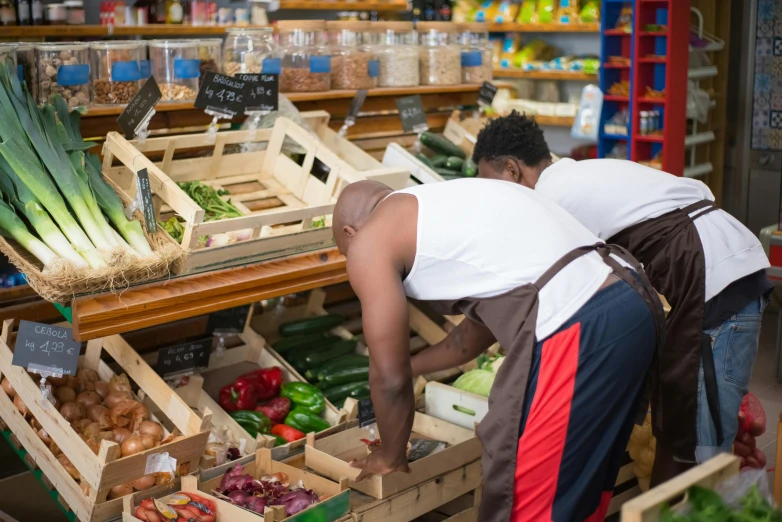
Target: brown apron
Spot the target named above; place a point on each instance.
(671, 252)
(512, 317)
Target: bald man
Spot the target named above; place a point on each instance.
(579, 329)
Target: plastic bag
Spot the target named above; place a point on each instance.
(698, 103)
(587, 119)
(527, 12)
(509, 47)
(286, 109)
(506, 12)
(735, 488)
(590, 13)
(547, 11)
(568, 11)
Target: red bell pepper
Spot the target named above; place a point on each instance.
(276, 409)
(288, 433)
(241, 395)
(267, 381)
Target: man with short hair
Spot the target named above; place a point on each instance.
(709, 267)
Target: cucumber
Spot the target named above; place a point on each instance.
(469, 168)
(337, 393)
(285, 344)
(346, 375)
(340, 363)
(438, 160)
(448, 173)
(454, 163)
(360, 391)
(320, 357)
(441, 145)
(423, 159)
(309, 325)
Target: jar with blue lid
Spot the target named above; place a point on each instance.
(440, 54)
(476, 53)
(64, 69)
(305, 59)
(116, 71)
(354, 64)
(25, 66)
(176, 68)
(246, 49)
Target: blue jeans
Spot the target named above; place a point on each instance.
(734, 344)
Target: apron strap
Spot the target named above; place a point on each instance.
(684, 221)
(710, 384)
(562, 262)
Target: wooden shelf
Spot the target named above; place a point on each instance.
(544, 75)
(545, 28)
(189, 296)
(555, 121)
(344, 6)
(75, 31)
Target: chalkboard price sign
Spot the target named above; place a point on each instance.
(145, 199)
(46, 348)
(366, 413)
(139, 107)
(231, 320)
(183, 358)
(222, 94)
(263, 91)
(486, 94)
(411, 112)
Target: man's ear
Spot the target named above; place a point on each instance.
(349, 231)
(514, 169)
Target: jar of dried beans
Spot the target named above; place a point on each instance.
(476, 53)
(210, 56)
(176, 68)
(305, 60)
(64, 68)
(353, 61)
(25, 66)
(440, 53)
(116, 71)
(397, 53)
(246, 49)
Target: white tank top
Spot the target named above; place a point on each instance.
(480, 238)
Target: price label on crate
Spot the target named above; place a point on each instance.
(144, 200)
(263, 91)
(185, 358)
(137, 112)
(411, 112)
(486, 94)
(228, 321)
(43, 348)
(222, 94)
(366, 413)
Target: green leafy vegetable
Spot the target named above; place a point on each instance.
(476, 381)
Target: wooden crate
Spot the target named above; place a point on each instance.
(647, 507)
(279, 198)
(103, 471)
(330, 456)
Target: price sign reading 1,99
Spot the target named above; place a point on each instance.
(43, 347)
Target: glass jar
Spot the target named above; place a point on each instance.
(116, 71)
(396, 48)
(210, 56)
(246, 49)
(175, 67)
(476, 53)
(64, 68)
(305, 61)
(8, 50)
(440, 53)
(25, 66)
(353, 62)
(74, 12)
(56, 14)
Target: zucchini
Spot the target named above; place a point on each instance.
(341, 363)
(454, 163)
(347, 375)
(320, 357)
(448, 172)
(469, 168)
(309, 325)
(285, 344)
(441, 145)
(423, 159)
(337, 393)
(438, 160)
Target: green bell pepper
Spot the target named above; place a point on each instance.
(305, 421)
(254, 422)
(304, 395)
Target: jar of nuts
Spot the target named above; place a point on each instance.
(305, 60)
(476, 53)
(353, 62)
(25, 66)
(396, 48)
(116, 71)
(440, 53)
(246, 49)
(176, 68)
(210, 55)
(64, 68)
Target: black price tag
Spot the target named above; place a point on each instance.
(46, 348)
(486, 93)
(183, 358)
(221, 94)
(139, 107)
(228, 321)
(262, 91)
(366, 413)
(411, 112)
(420, 448)
(145, 199)
(357, 103)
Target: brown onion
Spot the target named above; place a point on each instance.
(96, 411)
(21, 406)
(149, 441)
(102, 389)
(145, 482)
(35, 424)
(44, 436)
(88, 398)
(56, 381)
(87, 374)
(119, 383)
(120, 434)
(64, 394)
(114, 398)
(72, 411)
(7, 388)
(132, 445)
(69, 467)
(80, 425)
(120, 491)
(152, 428)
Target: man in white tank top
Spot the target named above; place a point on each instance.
(579, 331)
(710, 268)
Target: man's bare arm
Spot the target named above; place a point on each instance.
(463, 344)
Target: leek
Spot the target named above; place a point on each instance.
(12, 226)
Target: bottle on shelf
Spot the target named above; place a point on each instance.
(23, 12)
(36, 12)
(143, 8)
(174, 12)
(7, 13)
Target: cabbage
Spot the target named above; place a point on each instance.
(495, 364)
(476, 381)
(490, 362)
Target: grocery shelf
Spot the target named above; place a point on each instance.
(652, 101)
(40, 31)
(393, 5)
(617, 32)
(555, 121)
(617, 137)
(545, 28)
(614, 65)
(615, 98)
(653, 59)
(651, 138)
(653, 33)
(544, 75)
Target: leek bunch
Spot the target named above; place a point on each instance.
(53, 198)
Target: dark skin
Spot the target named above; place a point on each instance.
(378, 236)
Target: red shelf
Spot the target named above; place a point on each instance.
(610, 65)
(654, 1)
(652, 60)
(653, 33)
(614, 97)
(617, 32)
(653, 101)
(652, 138)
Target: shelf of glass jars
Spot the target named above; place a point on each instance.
(545, 28)
(75, 31)
(544, 75)
(380, 5)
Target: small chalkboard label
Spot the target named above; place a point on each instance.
(46, 348)
(366, 413)
(145, 199)
(231, 320)
(411, 112)
(183, 358)
(357, 103)
(221, 94)
(263, 91)
(139, 107)
(486, 94)
(420, 448)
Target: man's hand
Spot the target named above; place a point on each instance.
(377, 463)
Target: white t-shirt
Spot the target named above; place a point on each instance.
(609, 195)
(480, 238)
